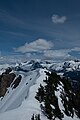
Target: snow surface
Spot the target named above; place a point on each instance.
(20, 103)
(29, 106)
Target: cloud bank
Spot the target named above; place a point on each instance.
(56, 19)
(42, 48)
(35, 46)
(63, 53)
(76, 49)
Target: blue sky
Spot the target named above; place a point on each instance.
(40, 22)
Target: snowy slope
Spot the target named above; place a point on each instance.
(67, 65)
(29, 106)
(20, 103)
(16, 96)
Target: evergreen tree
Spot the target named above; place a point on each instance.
(48, 108)
(33, 117)
(70, 99)
(40, 94)
(36, 117)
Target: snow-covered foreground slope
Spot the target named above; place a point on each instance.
(20, 103)
(14, 98)
(29, 106)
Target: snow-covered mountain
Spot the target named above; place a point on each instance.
(19, 84)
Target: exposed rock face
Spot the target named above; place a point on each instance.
(18, 68)
(36, 65)
(8, 70)
(5, 82)
(7, 79)
(16, 82)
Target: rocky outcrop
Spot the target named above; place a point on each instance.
(6, 79)
(16, 82)
(36, 65)
(5, 82)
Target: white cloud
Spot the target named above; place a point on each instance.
(76, 49)
(57, 53)
(58, 19)
(35, 46)
(28, 55)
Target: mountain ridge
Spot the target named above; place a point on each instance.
(31, 79)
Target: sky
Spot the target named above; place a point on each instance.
(45, 28)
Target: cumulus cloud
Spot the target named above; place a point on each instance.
(35, 46)
(58, 19)
(57, 53)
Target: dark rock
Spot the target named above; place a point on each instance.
(18, 68)
(8, 70)
(17, 81)
(5, 82)
(36, 65)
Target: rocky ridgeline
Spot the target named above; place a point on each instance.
(6, 79)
